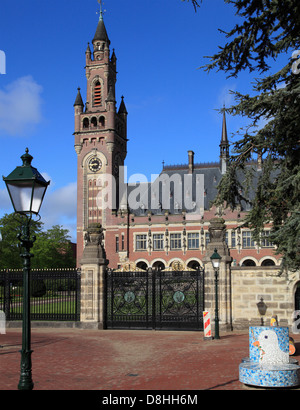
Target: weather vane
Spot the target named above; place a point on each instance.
(101, 10)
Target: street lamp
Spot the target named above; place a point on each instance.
(215, 260)
(26, 188)
(262, 308)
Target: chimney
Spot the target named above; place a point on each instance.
(191, 161)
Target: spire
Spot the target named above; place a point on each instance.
(224, 138)
(101, 34)
(110, 95)
(224, 146)
(78, 100)
(122, 108)
(88, 50)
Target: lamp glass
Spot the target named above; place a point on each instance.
(26, 196)
(215, 259)
(215, 263)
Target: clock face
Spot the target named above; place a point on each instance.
(95, 164)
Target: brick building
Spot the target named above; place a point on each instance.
(165, 223)
(150, 224)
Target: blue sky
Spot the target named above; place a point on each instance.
(172, 105)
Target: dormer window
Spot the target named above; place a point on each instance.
(97, 94)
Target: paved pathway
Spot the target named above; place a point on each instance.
(77, 359)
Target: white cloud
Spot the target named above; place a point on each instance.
(60, 208)
(225, 96)
(20, 106)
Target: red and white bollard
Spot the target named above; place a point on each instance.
(207, 326)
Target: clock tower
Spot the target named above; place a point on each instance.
(100, 137)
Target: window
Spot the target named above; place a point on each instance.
(175, 241)
(123, 242)
(193, 240)
(265, 243)
(226, 238)
(248, 262)
(117, 244)
(233, 243)
(102, 121)
(94, 122)
(247, 240)
(158, 265)
(268, 262)
(86, 123)
(97, 94)
(194, 265)
(158, 242)
(142, 265)
(207, 238)
(141, 242)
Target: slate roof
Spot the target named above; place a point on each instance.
(101, 33)
(149, 196)
(78, 100)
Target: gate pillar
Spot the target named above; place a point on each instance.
(93, 268)
(217, 231)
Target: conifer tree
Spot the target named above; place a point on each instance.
(268, 29)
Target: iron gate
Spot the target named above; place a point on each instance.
(154, 300)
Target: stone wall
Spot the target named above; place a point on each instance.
(251, 284)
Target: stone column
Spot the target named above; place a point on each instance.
(217, 231)
(93, 269)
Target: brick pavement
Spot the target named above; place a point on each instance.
(78, 359)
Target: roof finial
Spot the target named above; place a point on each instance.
(101, 10)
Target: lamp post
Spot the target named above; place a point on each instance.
(262, 308)
(26, 188)
(215, 260)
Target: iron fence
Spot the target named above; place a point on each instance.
(54, 294)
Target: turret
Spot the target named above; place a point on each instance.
(224, 146)
(78, 108)
(101, 41)
(88, 54)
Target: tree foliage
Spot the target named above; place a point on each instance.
(52, 248)
(268, 29)
(195, 3)
(10, 248)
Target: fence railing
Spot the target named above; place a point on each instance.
(54, 294)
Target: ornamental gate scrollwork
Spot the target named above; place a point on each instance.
(154, 299)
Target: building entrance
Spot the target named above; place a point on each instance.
(155, 300)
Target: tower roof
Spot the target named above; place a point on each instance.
(78, 100)
(101, 33)
(224, 138)
(122, 109)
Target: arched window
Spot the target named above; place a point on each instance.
(102, 121)
(268, 262)
(194, 265)
(86, 123)
(142, 265)
(248, 262)
(158, 265)
(94, 122)
(97, 94)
